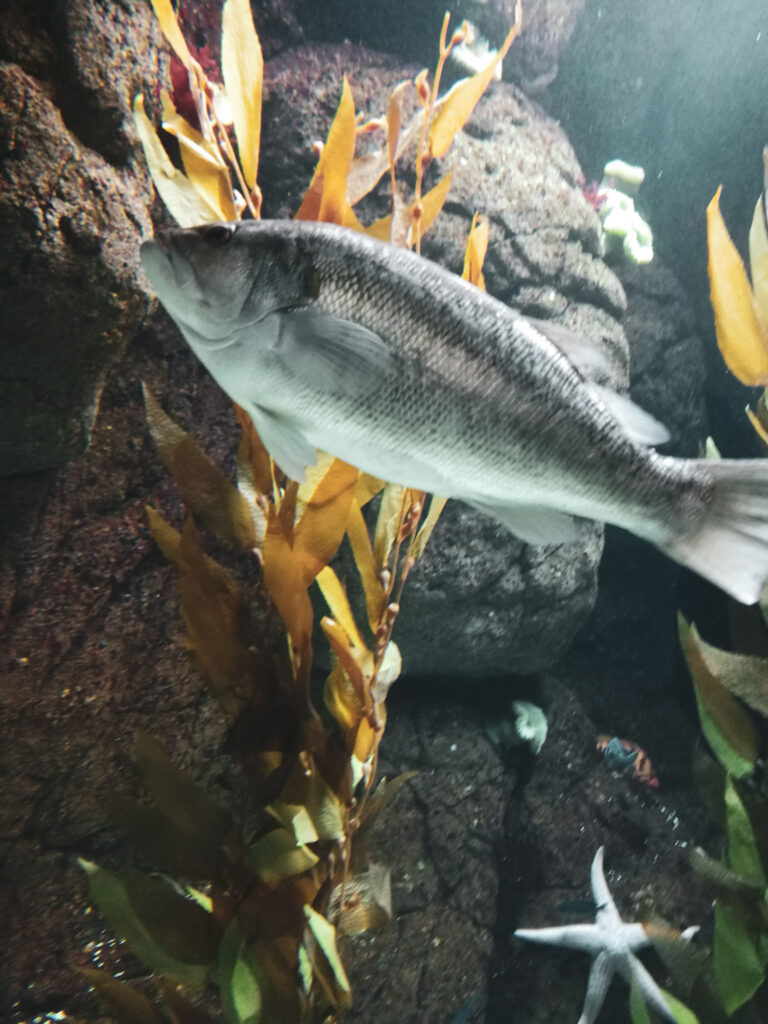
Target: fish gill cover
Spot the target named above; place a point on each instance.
(245, 921)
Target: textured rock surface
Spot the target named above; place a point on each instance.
(413, 30)
(482, 603)
(73, 208)
(667, 366)
(91, 648)
(70, 225)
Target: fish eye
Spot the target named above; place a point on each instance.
(218, 234)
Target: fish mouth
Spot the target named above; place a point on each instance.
(165, 266)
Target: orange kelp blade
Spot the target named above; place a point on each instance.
(326, 197)
(741, 342)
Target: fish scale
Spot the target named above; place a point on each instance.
(333, 340)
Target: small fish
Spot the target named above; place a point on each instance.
(332, 340)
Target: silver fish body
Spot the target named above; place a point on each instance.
(335, 341)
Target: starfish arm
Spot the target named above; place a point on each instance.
(599, 979)
(585, 937)
(634, 936)
(649, 990)
(606, 909)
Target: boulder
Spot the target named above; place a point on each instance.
(481, 603)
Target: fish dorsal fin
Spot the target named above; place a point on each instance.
(334, 355)
(586, 354)
(639, 424)
(532, 523)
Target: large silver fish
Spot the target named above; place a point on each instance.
(332, 340)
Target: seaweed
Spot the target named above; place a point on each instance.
(258, 882)
(731, 688)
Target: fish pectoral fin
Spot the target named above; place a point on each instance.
(535, 524)
(287, 445)
(335, 355)
(639, 424)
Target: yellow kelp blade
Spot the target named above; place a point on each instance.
(212, 606)
(387, 523)
(758, 265)
(739, 338)
(321, 528)
(367, 170)
(257, 454)
(211, 497)
(337, 601)
(284, 580)
(202, 161)
(354, 662)
(242, 66)
(760, 430)
(357, 531)
(170, 26)
(326, 197)
(431, 205)
(186, 205)
(340, 699)
(436, 506)
(395, 123)
(367, 487)
(474, 256)
(457, 105)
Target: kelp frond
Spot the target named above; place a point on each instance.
(257, 891)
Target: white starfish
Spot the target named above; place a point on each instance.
(612, 944)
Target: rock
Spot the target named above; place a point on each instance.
(73, 208)
(74, 202)
(413, 32)
(547, 28)
(481, 603)
(438, 839)
(70, 227)
(667, 370)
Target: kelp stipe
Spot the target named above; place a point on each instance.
(261, 879)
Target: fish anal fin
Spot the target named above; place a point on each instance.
(586, 354)
(639, 424)
(534, 524)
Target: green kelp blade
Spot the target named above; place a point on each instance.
(172, 935)
(181, 1010)
(326, 962)
(259, 979)
(739, 961)
(124, 1003)
(721, 878)
(277, 855)
(158, 840)
(238, 984)
(743, 854)
(640, 1014)
(744, 675)
(727, 726)
(185, 802)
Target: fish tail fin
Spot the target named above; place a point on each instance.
(730, 546)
